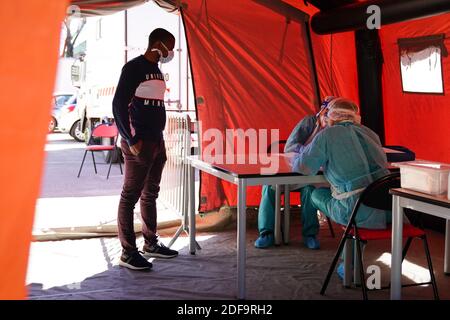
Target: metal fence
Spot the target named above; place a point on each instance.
(174, 181)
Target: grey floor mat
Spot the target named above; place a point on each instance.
(87, 269)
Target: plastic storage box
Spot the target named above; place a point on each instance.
(424, 176)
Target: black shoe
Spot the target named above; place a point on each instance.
(134, 261)
(159, 250)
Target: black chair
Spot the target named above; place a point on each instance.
(280, 144)
(376, 195)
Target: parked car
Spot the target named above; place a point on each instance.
(68, 120)
(59, 99)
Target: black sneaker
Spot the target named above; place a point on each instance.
(134, 261)
(159, 250)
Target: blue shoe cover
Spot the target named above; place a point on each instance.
(340, 270)
(264, 241)
(312, 242)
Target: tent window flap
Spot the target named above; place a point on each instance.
(421, 64)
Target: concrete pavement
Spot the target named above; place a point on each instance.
(77, 207)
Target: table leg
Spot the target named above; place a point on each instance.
(356, 265)
(192, 243)
(287, 212)
(348, 254)
(447, 248)
(241, 254)
(396, 255)
(277, 226)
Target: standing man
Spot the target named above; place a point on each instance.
(140, 115)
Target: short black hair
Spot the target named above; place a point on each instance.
(159, 35)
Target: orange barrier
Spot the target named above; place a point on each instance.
(28, 60)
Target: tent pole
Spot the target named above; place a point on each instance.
(312, 64)
(199, 132)
(126, 35)
(179, 106)
(369, 60)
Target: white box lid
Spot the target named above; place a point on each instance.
(423, 164)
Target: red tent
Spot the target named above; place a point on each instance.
(255, 63)
(252, 69)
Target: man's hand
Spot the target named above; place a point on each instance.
(136, 148)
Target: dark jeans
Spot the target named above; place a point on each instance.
(142, 178)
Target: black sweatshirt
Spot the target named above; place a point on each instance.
(138, 104)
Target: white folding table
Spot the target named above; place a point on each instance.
(244, 175)
(438, 206)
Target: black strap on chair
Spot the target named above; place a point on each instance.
(115, 155)
(404, 155)
(276, 143)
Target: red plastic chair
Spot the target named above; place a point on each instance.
(103, 131)
(376, 195)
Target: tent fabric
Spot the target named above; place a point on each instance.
(335, 57)
(240, 87)
(231, 78)
(408, 45)
(335, 62)
(251, 69)
(89, 8)
(168, 5)
(417, 121)
(28, 61)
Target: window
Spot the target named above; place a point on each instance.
(75, 73)
(62, 99)
(421, 64)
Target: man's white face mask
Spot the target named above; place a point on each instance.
(163, 59)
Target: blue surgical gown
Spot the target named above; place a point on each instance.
(351, 157)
